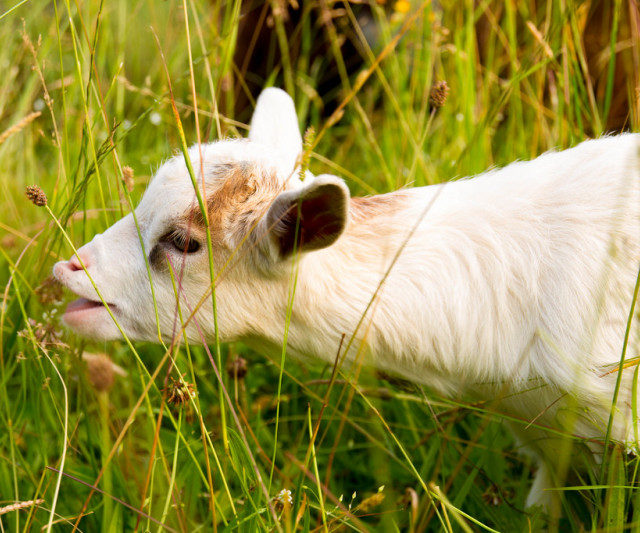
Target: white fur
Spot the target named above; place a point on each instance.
(512, 287)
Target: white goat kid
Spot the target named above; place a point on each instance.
(513, 287)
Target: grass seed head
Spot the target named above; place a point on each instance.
(307, 145)
(101, 371)
(370, 503)
(127, 177)
(439, 93)
(36, 195)
(20, 505)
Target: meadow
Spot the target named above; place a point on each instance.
(95, 95)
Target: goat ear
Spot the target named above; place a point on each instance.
(316, 214)
(275, 125)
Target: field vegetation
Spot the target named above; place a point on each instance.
(105, 442)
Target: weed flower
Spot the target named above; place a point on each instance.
(284, 499)
(439, 93)
(45, 335)
(402, 6)
(36, 195)
(179, 392)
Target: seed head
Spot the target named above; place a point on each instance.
(36, 195)
(307, 145)
(101, 370)
(439, 93)
(237, 367)
(19, 505)
(179, 392)
(370, 503)
(45, 334)
(127, 177)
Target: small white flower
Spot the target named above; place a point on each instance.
(632, 448)
(38, 105)
(459, 117)
(126, 123)
(284, 497)
(155, 118)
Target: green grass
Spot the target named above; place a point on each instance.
(355, 452)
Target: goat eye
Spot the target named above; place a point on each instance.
(183, 243)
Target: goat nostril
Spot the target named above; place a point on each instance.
(74, 262)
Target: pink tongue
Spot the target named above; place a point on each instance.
(81, 304)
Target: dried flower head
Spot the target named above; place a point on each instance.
(45, 334)
(36, 195)
(179, 392)
(101, 370)
(237, 367)
(439, 93)
(127, 178)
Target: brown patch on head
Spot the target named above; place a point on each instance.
(243, 191)
(381, 205)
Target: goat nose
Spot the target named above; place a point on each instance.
(74, 262)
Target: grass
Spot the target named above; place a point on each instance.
(126, 84)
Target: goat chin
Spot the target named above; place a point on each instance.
(513, 287)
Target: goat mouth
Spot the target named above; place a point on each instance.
(82, 305)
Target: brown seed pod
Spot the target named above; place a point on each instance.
(36, 195)
(439, 93)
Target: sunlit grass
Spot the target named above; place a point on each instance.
(89, 88)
